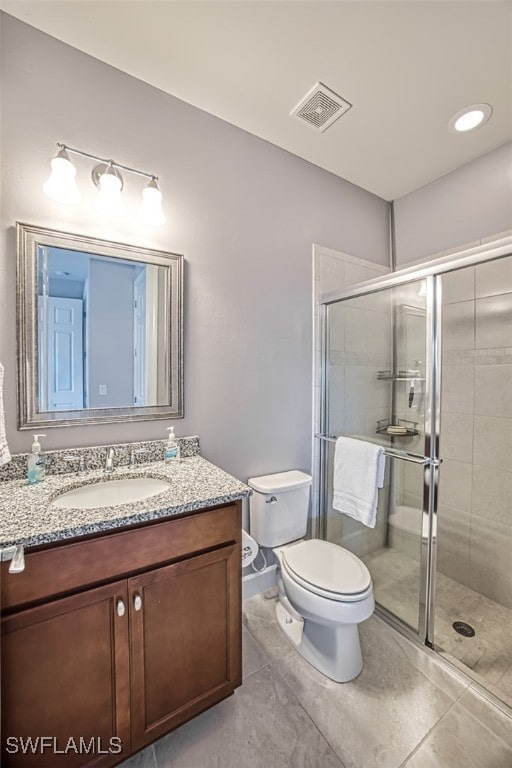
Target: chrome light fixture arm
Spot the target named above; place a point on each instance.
(106, 161)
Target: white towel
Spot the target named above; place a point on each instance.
(5, 456)
(358, 474)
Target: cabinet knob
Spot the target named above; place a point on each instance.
(120, 608)
(137, 602)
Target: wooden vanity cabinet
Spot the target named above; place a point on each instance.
(65, 673)
(180, 641)
(127, 660)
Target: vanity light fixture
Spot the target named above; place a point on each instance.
(469, 118)
(150, 211)
(61, 186)
(110, 183)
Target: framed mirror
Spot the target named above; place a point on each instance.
(100, 330)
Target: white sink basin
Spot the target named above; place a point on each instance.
(111, 493)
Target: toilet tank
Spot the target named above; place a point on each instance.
(278, 507)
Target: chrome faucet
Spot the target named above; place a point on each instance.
(80, 462)
(109, 461)
(134, 453)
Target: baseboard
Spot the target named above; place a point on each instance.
(256, 583)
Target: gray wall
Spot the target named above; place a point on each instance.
(110, 318)
(243, 212)
(470, 204)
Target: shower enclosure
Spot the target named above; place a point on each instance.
(420, 361)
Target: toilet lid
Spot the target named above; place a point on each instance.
(327, 566)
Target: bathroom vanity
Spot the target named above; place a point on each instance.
(119, 631)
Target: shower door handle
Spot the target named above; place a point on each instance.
(415, 459)
(412, 457)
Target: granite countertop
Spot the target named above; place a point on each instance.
(27, 517)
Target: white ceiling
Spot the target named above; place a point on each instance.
(406, 67)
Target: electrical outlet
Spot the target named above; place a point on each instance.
(103, 389)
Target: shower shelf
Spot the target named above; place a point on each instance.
(410, 426)
(398, 376)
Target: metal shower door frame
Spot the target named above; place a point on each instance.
(432, 273)
(433, 329)
(430, 459)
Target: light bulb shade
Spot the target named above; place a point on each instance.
(61, 184)
(109, 200)
(150, 211)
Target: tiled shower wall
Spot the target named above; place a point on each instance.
(410, 355)
(360, 346)
(358, 342)
(475, 498)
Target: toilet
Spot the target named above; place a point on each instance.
(325, 591)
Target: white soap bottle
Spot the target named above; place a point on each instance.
(36, 462)
(172, 448)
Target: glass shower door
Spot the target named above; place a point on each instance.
(377, 388)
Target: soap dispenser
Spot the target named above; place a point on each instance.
(172, 449)
(36, 462)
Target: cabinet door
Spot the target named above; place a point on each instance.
(185, 640)
(65, 677)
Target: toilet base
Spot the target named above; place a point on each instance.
(291, 627)
(333, 650)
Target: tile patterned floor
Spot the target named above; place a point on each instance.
(488, 653)
(405, 710)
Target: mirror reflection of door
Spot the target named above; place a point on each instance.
(65, 354)
(61, 334)
(139, 339)
(145, 336)
(101, 324)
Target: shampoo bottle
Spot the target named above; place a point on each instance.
(36, 462)
(172, 449)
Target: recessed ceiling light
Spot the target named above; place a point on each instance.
(469, 118)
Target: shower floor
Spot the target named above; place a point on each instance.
(488, 653)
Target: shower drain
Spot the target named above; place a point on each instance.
(463, 629)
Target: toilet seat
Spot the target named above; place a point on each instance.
(327, 570)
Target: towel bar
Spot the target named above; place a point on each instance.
(415, 458)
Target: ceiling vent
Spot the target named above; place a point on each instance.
(321, 107)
